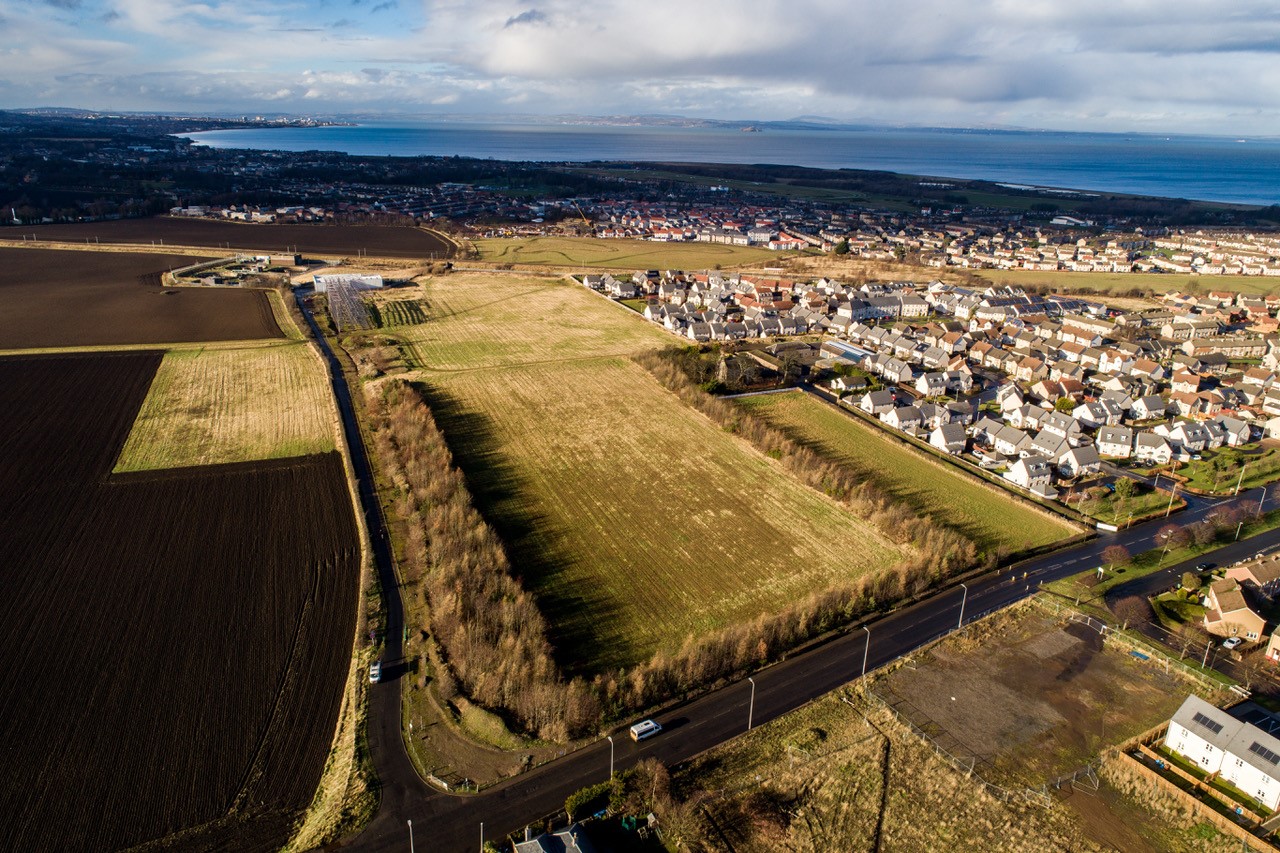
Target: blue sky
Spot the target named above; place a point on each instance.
(1170, 66)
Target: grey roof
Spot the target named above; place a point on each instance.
(1235, 737)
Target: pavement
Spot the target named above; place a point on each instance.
(447, 822)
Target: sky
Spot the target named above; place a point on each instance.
(1096, 65)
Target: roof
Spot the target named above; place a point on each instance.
(568, 840)
(1240, 739)
(1228, 595)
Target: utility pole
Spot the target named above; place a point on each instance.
(865, 649)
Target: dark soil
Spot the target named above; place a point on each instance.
(52, 298)
(173, 646)
(375, 240)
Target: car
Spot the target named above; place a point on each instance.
(1204, 567)
(1196, 457)
(375, 672)
(644, 729)
(1231, 642)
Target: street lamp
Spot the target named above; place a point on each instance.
(1261, 499)
(410, 836)
(865, 650)
(751, 708)
(963, 599)
(1172, 495)
(610, 739)
(1238, 526)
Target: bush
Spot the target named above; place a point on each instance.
(588, 800)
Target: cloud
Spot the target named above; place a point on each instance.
(1089, 64)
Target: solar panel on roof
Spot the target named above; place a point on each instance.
(1264, 753)
(1208, 723)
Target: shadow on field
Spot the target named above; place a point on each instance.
(574, 613)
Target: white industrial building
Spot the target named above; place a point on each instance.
(1239, 752)
(324, 282)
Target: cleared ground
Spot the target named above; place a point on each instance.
(621, 254)
(1030, 699)
(207, 407)
(983, 513)
(634, 519)
(1121, 282)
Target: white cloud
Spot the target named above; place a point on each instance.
(1088, 64)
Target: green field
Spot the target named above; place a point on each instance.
(621, 254)
(399, 312)
(212, 406)
(477, 320)
(1122, 282)
(635, 520)
(1218, 471)
(983, 513)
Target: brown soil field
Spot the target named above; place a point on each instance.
(174, 644)
(52, 298)
(377, 240)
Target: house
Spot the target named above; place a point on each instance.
(1027, 417)
(1033, 473)
(1227, 614)
(905, 418)
(932, 385)
(1152, 449)
(877, 402)
(1262, 575)
(1146, 408)
(986, 428)
(1009, 441)
(1062, 424)
(1050, 445)
(1098, 413)
(1079, 462)
(1115, 441)
(849, 383)
(1237, 431)
(1187, 436)
(1237, 751)
(568, 840)
(949, 438)
(1010, 397)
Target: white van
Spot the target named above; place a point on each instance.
(375, 672)
(642, 730)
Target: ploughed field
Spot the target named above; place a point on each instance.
(174, 644)
(51, 298)
(635, 520)
(378, 240)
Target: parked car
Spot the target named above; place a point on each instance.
(644, 729)
(375, 672)
(1204, 567)
(1231, 642)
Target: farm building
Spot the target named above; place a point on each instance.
(1239, 752)
(324, 282)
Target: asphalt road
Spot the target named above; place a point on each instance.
(443, 822)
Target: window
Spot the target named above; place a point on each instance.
(1239, 762)
(1251, 635)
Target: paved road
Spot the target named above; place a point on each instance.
(455, 823)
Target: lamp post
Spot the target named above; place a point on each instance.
(1240, 482)
(963, 599)
(751, 708)
(1261, 499)
(610, 739)
(1238, 527)
(865, 649)
(1172, 495)
(410, 836)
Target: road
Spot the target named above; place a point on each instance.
(444, 822)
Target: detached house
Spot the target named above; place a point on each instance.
(1115, 441)
(1228, 615)
(905, 418)
(949, 438)
(1035, 474)
(1152, 449)
(877, 402)
(1079, 462)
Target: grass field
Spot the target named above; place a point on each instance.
(633, 518)
(1121, 282)
(983, 513)
(1219, 470)
(621, 254)
(211, 406)
(636, 521)
(478, 320)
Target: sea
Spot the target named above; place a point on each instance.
(1209, 168)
